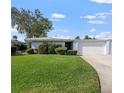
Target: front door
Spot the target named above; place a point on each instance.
(68, 45)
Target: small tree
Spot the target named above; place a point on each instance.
(94, 38)
(88, 37)
(77, 37)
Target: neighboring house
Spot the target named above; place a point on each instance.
(16, 42)
(84, 47)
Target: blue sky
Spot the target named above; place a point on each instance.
(72, 18)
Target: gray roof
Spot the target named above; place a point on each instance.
(61, 39)
(94, 40)
(47, 39)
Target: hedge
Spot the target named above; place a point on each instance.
(51, 49)
(30, 51)
(13, 50)
(22, 47)
(43, 49)
(61, 50)
(46, 48)
(71, 52)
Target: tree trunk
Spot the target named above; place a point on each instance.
(29, 35)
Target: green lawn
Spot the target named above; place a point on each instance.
(53, 74)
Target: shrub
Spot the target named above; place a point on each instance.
(61, 50)
(57, 45)
(51, 49)
(71, 52)
(22, 47)
(43, 49)
(13, 50)
(35, 51)
(30, 51)
(46, 48)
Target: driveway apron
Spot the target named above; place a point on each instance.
(103, 66)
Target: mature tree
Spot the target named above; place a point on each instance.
(88, 37)
(77, 37)
(31, 23)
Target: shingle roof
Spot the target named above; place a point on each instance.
(47, 39)
(94, 40)
(62, 39)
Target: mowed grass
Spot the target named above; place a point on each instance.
(53, 74)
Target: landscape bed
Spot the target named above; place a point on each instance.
(53, 74)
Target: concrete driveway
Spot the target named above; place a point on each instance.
(103, 66)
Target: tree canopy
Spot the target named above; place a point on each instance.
(31, 23)
(77, 37)
(88, 37)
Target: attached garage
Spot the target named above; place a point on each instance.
(93, 47)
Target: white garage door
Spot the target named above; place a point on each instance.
(93, 48)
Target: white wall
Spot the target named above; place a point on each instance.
(77, 45)
(35, 45)
(61, 43)
(108, 47)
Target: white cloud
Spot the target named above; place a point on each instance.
(61, 30)
(65, 30)
(13, 30)
(104, 13)
(96, 22)
(100, 15)
(98, 18)
(62, 36)
(53, 19)
(20, 37)
(104, 35)
(90, 17)
(81, 16)
(92, 30)
(58, 16)
(102, 1)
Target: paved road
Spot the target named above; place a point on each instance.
(103, 66)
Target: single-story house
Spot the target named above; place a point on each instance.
(84, 47)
